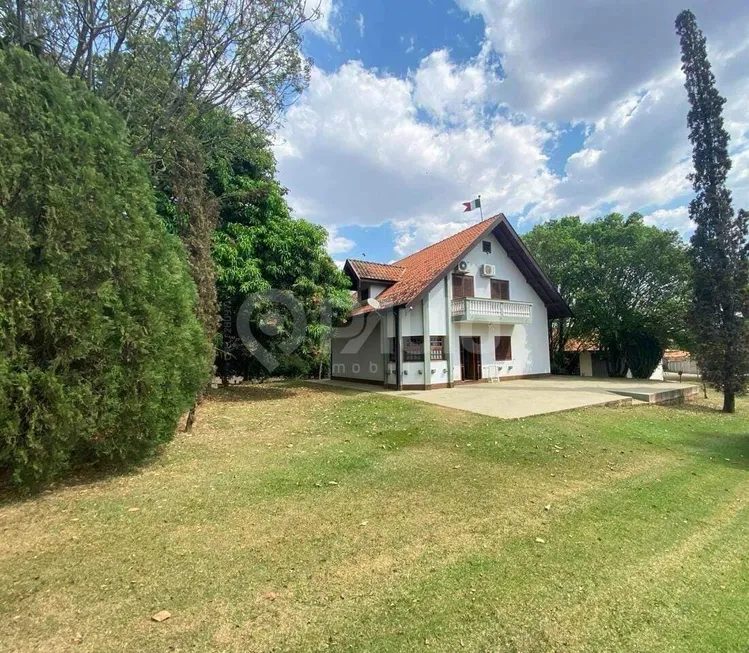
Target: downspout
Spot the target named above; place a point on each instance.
(448, 331)
(398, 364)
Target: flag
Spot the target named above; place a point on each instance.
(475, 204)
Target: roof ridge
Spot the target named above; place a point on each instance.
(440, 242)
(362, 260)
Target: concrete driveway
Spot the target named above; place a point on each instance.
(526, 397)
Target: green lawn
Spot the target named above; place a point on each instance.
(295, 518)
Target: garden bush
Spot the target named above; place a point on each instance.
(100, 349)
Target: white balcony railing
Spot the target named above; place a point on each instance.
(479, 309)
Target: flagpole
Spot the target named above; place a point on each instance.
(481, 209)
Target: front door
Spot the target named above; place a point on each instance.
(470, 358)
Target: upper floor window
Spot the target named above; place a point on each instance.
(500, 289)
(462, 286)
(364, 294)
(486, 246)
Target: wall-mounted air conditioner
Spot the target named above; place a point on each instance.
(462, 266)
(488, 270)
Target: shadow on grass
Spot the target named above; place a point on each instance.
(731, 450)
(271, 392)
(83, 475)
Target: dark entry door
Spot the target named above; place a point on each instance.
(470, 358)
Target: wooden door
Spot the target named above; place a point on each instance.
(470, 358)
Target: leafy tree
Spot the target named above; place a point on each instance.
(626, 282)
(166, 66)
(260, 247)
(100, 350)
(720, 301)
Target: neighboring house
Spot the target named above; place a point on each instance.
(473, 307)
(593, 361)
(679, 362)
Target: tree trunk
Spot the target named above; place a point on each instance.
(729, 402)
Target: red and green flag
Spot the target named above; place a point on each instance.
(473, 204)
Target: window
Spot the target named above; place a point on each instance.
(500, 289)
(462, 286)
(391, 351)
(437, 348)
(364, 294)
(486, 246)
(503, 348)
(413, 348)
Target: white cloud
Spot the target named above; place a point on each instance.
(360, 24)
(676, 219)
(326, 11)
(354, 151)
(446, 90)
(568, 61)
(357, 149)
(639, 155)
(338, 244)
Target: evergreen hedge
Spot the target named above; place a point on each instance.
(100, 349)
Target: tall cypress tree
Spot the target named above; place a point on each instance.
(719, 249)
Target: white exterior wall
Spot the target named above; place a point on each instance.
(438, 310)
(375, 288)
(357, 352)
(530, 342)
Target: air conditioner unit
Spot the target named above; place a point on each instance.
(488, 270)
(462, 266)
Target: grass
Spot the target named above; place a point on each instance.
(296, 518)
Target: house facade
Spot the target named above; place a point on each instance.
(473, 307)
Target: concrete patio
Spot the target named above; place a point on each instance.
(526, 397)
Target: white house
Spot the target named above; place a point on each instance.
(473, 307)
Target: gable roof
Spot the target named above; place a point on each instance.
(422, 270)
(373, 271)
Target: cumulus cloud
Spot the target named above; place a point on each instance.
(568, 61)
(353, 151)
(326, 11)
(676, 219)
(366, 147)
(338, 244)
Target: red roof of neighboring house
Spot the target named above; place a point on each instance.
(375, 271)
(573, 345)
(675, 355)
(421, 270)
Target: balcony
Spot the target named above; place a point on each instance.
(498, 311)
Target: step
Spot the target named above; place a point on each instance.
(660, 395)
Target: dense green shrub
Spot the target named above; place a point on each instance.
(643, 352)
(100, 350)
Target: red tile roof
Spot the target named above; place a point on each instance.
(676, 355)
(376, 271)
(421, 270)
(422, 267)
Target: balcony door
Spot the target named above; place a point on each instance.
(470, 358)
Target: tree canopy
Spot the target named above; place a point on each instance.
(260, 247)
(167, 67)
(626, 282)
(100, 349)
(720, 261)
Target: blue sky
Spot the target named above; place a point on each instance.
(544, 108)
